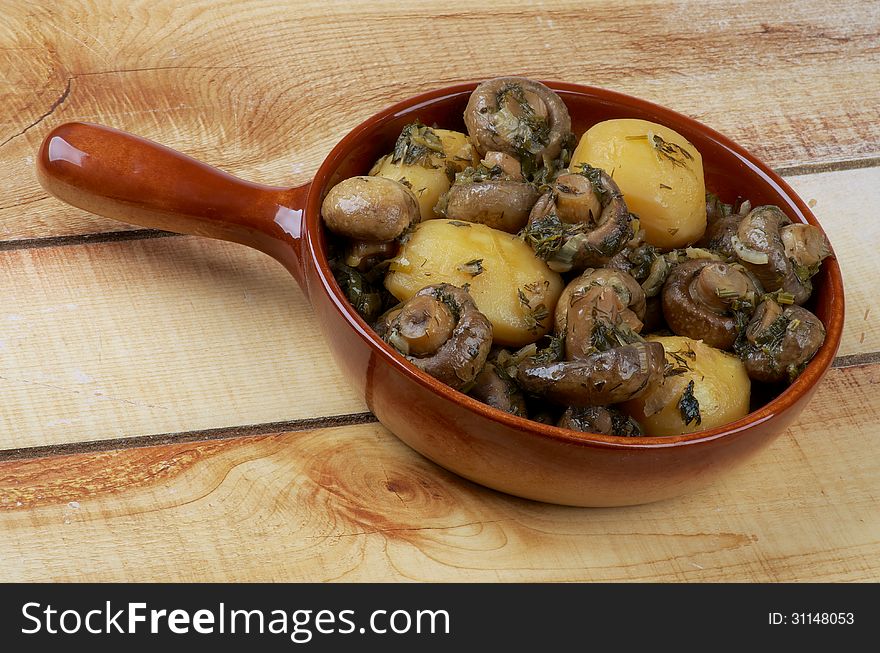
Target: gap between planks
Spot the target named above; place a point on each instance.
(268, 428)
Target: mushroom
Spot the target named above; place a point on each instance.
(518, 116)
(635, 260)
(722, 223)
(599, 419)
(605, 377)
(493, 386)
(780, 342)
(500, 203)
(576, 199)
(630, 294)
(440, 331)
(364, 255)
(806, 245)
(700, 297)
(759, 244)
(370, 208)
(495, 194)
(582, 238)
(508, 166)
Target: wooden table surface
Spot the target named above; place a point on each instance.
(168, 409)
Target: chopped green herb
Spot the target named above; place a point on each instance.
(553, 351)
(416, 144)
(545, 235)
(689, 406)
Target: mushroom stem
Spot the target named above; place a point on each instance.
(457, 360)
(422, 326)
(717, 285)
(576, 199)
(518, 116)
(699, 297)
(509, 165)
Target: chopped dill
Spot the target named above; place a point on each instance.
(416, 144)
(545, 235)
(672, 152)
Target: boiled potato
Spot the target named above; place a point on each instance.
(513, 288)
(659, 173)
(428, 183)
(721, 388)
(457, 150)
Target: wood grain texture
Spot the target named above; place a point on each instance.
(355, 504)
(131, 370)
(179, 334)
(264, 89)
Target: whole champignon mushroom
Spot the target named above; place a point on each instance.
(440, 331)
(374, 209)
(780, 342)
(582, 238)
(518, 116)
(722, 222)
(493, 386)
(760, 247)
(597, 319)
(700, 297)
(599, 419)
(494, 194)
(627, 289)
(806, 246)
(606, 377)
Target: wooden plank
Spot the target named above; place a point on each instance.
(264, 90)
(842, 202)
(356, 504)
(126, 339)
(154, 336)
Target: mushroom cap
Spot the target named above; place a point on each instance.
(607, 377)
(781, 342)
(694, 309)
(759, 246)
(805, 244)
(595, 239)
(497, 389)
(370, 208)
(458, 360)
(627, 289)
(518, 116)
(499, 203)
(606, 420)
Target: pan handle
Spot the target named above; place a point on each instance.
(128, 178)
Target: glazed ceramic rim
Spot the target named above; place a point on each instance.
(811, 375)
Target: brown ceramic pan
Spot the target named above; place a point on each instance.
(121, 176)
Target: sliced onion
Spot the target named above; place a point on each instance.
(748, 255)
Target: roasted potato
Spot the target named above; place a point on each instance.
(510, 286)
(659, 173)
